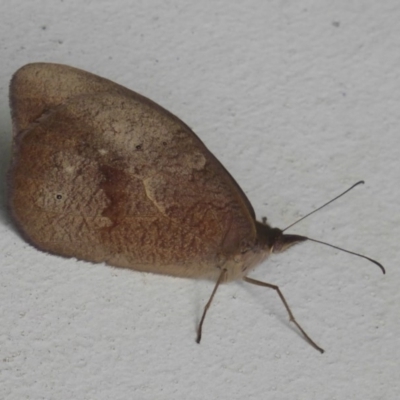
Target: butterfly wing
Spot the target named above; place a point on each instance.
(103, 174)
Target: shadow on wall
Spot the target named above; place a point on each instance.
(5, 155)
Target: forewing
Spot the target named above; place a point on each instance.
(104, 174)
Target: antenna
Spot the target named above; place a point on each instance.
(329, 202)
(331, 245)
(350, 252)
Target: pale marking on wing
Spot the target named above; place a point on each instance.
(156, 204)
(162, 212)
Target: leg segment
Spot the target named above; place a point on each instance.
(199, 329)
(291, 317)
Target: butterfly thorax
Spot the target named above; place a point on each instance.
(269, 240)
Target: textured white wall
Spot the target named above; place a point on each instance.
(298, 99)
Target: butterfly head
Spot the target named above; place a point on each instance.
(274, 240)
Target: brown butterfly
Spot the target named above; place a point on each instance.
(103, 174)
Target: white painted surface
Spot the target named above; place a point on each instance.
(298, 100)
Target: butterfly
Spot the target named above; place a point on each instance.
(104, 174)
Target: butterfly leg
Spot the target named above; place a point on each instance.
(199, 329)
(291, 317)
